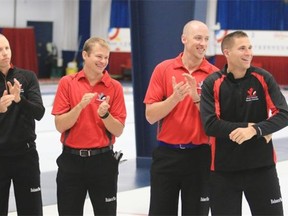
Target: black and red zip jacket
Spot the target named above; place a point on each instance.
(228, 103)
(17, 125)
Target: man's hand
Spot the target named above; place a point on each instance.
(240, 135)
(104, 107)
(193, 86)
(15, 90)
(268, 138)
(180, 90)
(86, 99)
(5, 101)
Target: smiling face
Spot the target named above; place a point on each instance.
(239, 56)
(5, 54)
(238, 52)
(195, 38)
(97, 59)
(96, 55)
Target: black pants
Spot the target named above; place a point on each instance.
(260, 187)
(24, 171)
(180, 170)
(97, 175)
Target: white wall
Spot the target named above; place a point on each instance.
(100, 18)
(63, 14)
(7, 13)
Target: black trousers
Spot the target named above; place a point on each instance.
(180, 170)
(260, 187)
(24, 172)
(97, 175)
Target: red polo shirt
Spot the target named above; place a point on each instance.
(183, 124)
(89, 130)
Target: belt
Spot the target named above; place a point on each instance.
(178, 146)
(87, 152)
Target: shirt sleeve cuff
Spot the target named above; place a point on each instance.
(258, 130)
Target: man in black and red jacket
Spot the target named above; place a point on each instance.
(242, 106)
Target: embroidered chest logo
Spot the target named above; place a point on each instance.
(199, 85)
(251, 95)
(101, 97)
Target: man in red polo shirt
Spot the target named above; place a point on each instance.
(182, 159)
(89, 113)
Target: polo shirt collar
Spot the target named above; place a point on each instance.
(80, 75)
(106, 79)
(205, 66)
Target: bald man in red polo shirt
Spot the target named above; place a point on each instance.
(182, 159)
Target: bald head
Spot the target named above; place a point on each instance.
(5, 54)
(2, 37)
(3, 40)
(193, 25)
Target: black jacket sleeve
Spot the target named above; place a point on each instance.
(277, 105)
(31, 102)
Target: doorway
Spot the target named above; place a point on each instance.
(44, 36)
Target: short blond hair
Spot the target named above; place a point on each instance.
(87, 47)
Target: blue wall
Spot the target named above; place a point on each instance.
(156, 28)
(253, 14)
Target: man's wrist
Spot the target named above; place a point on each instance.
(17, 100)
(105, 115)
(196, 98)
(258, 130)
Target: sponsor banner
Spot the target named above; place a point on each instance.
(119, 39)
(264, 43)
